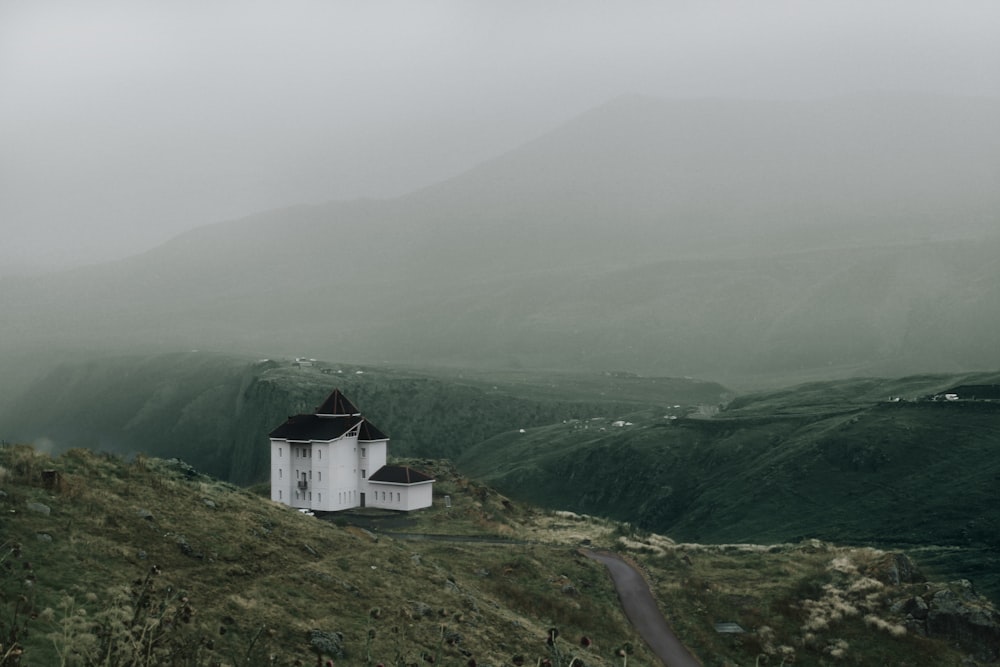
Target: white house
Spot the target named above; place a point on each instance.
(334, 460)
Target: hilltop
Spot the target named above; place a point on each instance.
(150, 562)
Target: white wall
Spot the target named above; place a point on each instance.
(403, 497)
(421, 495)
(333, 476)
(343, 473)
(281, 482)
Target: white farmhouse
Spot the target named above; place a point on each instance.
(335, 460)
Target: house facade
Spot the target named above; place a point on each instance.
(335, 459)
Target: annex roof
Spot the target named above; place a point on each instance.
(399, 475)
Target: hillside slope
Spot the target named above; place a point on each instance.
(710, 238)
(835, 460)
(215, 411)
(151, 563)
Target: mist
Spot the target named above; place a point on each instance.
(124, 124)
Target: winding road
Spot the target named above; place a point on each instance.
(636, 599)
(641, 610)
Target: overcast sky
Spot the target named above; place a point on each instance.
(124, 123)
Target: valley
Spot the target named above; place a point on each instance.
(866, 461)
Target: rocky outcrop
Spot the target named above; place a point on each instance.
(955, 612)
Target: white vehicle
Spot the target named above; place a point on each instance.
(307, 512)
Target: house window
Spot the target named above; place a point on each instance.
(279, 473)
(279, 452)
(362, 474)
(310, 496)
(310, 474)
(362, 452)
(383, 495)
(320, 454)
(296, 495)
(397, 497)
(319, 475)
(319, 497)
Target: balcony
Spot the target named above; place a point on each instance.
(303, 484)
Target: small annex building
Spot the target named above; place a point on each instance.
(335, 459)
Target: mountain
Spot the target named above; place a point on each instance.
(712, 238)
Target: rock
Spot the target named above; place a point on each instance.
(43, 537)
(915, 607)
(961, 615)
(40, 508)
(187, 549)
(208, 503)
(894, 569)
(569, 589)
(143, 513)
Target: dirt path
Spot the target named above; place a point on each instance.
(641, 610)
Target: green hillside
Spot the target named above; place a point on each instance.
(215, 411)
(148, 562)
(836, 461)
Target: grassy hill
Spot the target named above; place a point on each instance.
(215, 411)
(148, 562)
(834, 460)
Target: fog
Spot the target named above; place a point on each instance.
(125, 123)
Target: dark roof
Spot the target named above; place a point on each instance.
(335, 417)
(370, 432)
(399, 475)
(314, 427)
(337, 404)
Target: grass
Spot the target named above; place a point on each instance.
(811, 603)
(259, 577)
(150, 562)
(832, 463)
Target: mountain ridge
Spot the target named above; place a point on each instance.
(485, 268)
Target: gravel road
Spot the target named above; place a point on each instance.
(641, 610)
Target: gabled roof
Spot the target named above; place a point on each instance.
(399, 475)
(337, 405)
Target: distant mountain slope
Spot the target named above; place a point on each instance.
(836, 460)
(706, 238)
(215, 411)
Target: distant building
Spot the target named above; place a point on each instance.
(334, 459)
